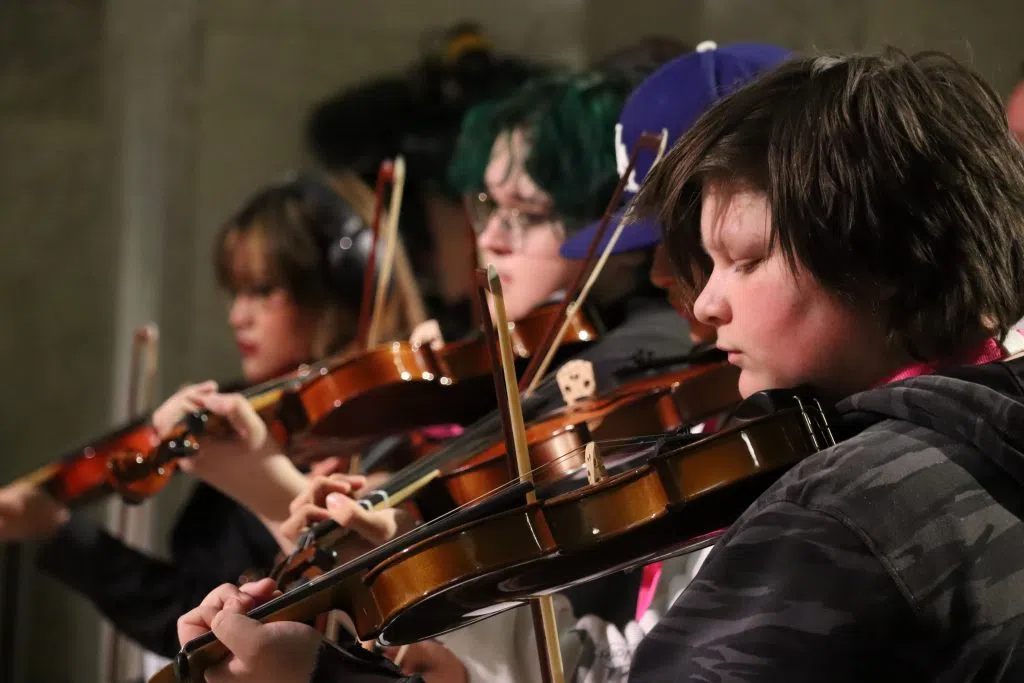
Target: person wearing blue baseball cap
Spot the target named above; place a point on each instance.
(853, 225)
(668, 102)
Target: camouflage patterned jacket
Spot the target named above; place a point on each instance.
(897, 554)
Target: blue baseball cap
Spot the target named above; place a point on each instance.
(669, 102)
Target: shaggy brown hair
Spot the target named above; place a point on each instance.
(892, 179)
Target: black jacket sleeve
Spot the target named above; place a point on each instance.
(791, 595)
(354, 664)
(213, 542)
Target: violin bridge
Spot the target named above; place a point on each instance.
(576, 381)
(427, 333)
(595, 465)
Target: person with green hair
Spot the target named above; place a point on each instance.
(537, 167)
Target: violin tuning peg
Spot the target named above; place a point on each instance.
(576, 381)
(197, 421)
(181, 447)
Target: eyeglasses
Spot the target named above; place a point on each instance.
(514, 222)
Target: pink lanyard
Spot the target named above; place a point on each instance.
(988, 351)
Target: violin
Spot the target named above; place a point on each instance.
(90, 472)
(133, 462)
(400, 386)
(497, 553)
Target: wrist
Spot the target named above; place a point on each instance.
(266, 485)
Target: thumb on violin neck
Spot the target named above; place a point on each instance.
(242, 417)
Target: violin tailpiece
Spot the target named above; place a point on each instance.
(576, 381)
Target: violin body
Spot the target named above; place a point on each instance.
(678, 501)
(392, 388)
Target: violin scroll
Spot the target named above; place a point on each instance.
(135, 477)
(137, 474)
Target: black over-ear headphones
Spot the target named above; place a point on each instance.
(342, 235)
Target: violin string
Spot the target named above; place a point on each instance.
(604, 445)
(680, 437)
(607, 447)
(414, 472)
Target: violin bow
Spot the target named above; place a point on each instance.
(141, 399)
(580, 288)
(407, 286)
(390, 242)
(385, 173)
(474, 259)
(546, 631)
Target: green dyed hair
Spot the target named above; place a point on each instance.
(571, 121)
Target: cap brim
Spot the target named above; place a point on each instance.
(634, 237)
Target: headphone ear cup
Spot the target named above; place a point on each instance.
(347, 256)
(342, 236)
